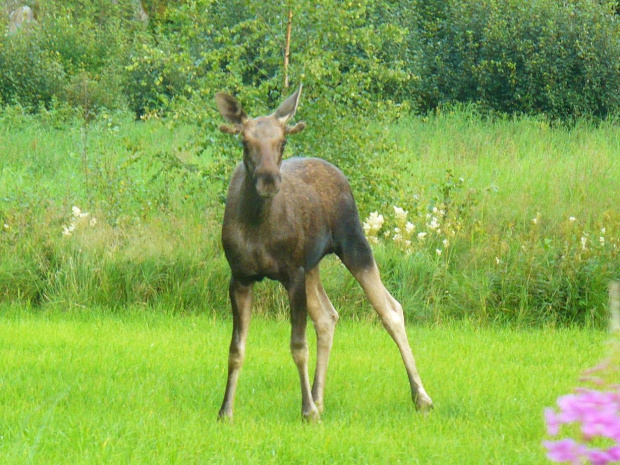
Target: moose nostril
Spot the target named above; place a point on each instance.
(267, 185)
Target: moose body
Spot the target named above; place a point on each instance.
(281, 218)
(297, 228)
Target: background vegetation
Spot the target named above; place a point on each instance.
(547, 57)
(518, 219)
(497, 119)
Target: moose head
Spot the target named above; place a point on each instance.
(264, 138)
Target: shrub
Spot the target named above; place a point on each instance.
(31, 74)
(561, 59)
(530, 274)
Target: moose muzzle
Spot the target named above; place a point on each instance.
(267, 183)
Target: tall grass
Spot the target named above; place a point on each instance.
(508, 189)
(92, 386)
(519, 220)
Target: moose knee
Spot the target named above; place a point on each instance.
(394, 316)
(236, 355)
(326, 323)
(299, 351)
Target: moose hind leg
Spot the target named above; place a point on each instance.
(241, 299)
(324, 317)
(391, 314)
(296, 288)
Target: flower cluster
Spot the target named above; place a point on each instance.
(596, 411)
(78, 218)
(372, 226)
(432, 230)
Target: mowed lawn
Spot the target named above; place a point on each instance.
(138, 386)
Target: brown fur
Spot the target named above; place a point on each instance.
(281, 219)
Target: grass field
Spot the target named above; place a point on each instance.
(136, 386)
(114, 326)
(530, 232)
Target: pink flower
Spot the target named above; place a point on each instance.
(598, 414)
(566, 450)
(601, 423)
(553, 422)
(599, 457)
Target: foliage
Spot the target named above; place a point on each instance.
(372, 57)
(71, 44)
(530, 273)
(471, 187)
(560, 59)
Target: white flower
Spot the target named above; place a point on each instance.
(78, 213)
(421, 236)
(67, 231)
(584, 243)
(93, 221)
(409, 227)
(603, 230)
(401, 215)
(373, 224)
(434, 224)
(445, 243)
(497, 261)
(602, 241)
(6, 226)
(438, 251)
(572, 219)
(408, 243)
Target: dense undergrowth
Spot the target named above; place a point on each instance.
(559, 59)
(499, 220)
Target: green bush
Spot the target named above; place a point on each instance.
(30, 74)
(560, 59)
(368, 58)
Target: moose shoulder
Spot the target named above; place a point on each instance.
(281, 219)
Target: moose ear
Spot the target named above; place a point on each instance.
(230, 109)
(287, 109)
(231, 129)
(297, 128)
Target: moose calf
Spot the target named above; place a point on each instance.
(281, 219)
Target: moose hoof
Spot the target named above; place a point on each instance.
(313, 416)
(423, 402)
(224, 416)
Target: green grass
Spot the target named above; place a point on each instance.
(156, 190)
(531, 166)
(137, 386)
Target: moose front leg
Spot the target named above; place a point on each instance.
(241, 300)
(296, 288)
